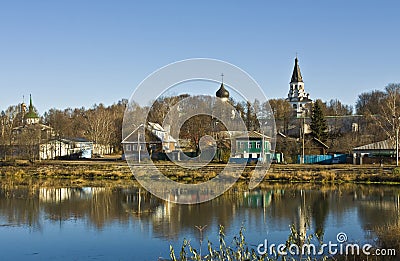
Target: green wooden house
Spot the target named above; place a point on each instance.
(253, 145)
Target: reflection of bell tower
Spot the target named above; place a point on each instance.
(297, 96)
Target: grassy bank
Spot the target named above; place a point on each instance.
(115, 170)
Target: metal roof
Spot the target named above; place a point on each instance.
(252, 135)
(381, 145)
(296, 76)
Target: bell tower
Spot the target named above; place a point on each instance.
(297, 96)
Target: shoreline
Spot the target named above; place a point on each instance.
(119, 170)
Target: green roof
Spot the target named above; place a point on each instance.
(31, 113)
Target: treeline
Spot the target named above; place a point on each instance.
(376, 116)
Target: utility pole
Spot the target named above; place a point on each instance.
(397, 146)
(302, 151)
(138, 145)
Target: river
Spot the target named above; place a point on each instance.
(119, 220)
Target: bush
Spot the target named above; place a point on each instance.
(396, 171)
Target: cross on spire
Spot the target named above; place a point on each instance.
(222, 76)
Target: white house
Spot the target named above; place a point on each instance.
(79, 148)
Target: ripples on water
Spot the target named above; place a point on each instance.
(42, 219)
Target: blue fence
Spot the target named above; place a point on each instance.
(323, 159)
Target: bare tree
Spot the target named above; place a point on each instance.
(99, 125)
(388, 118)
(283, 113)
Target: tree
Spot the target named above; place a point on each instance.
(389, 110)
(368, 102)
(283, 112)
(335, 108)
(99, 125)
(318, 123)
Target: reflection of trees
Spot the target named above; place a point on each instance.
(18, 207)
(273, 206)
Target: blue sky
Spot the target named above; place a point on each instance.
(77, 53)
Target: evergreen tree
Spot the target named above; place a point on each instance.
(318, 123)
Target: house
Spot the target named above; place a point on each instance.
(314, 146)
(374, 152)
(168, 142)
(135, 145)
(385, 148)
(253, 145)
(66, 148)
(147, 141)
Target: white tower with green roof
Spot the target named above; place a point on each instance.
(31, 116)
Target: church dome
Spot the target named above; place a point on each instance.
(222, 92)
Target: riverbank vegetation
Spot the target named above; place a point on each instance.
(239, 249)
(117, 169)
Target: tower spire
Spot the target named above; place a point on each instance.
(296, 76)
(30, 103)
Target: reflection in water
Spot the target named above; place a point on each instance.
(265, 211)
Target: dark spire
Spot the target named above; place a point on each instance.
(30, 103)
(296, 76)
(31, 110)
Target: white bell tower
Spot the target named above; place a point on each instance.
(297, 96)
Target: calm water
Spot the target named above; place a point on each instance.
(118, 220)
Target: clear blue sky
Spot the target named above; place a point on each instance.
(77, 53)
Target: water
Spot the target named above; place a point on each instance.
(63, 220)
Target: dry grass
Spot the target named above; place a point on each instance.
(389, 236)
(283, 173)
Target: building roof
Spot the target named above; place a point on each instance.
(252, 135)
(381, 145)
(135, 131)
(320, 142)
(154, 129)
(296, 76)
(222, 92)
(31, 112)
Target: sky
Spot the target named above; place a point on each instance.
(80, 53)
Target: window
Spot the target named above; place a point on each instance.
(128, 147)
(250, 145)
(258, 144)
